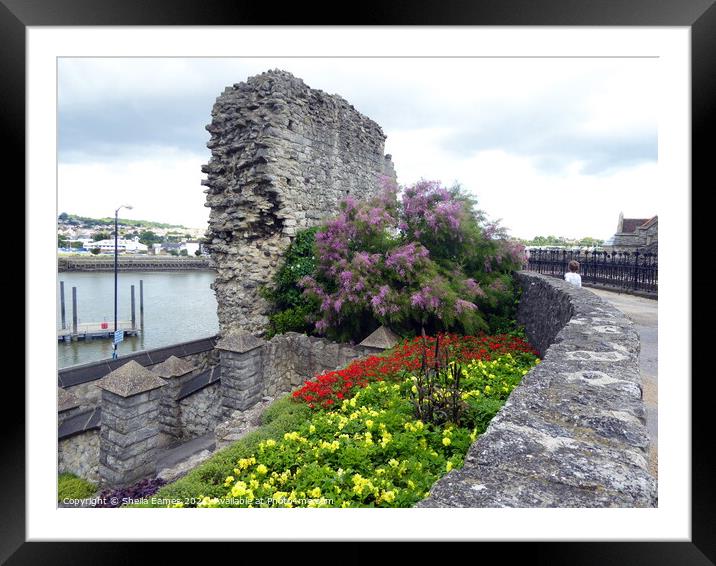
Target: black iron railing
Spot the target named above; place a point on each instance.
(629, 271)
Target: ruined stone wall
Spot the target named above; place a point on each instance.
(283, 155)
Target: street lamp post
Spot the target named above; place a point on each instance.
(116, 231)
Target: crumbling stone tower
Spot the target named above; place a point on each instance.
(283, 155)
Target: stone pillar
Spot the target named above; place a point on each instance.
(242, 375)
(68, 405)
(129, 434)
(382, 339)
(176, 372)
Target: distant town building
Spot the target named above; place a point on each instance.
(634, 234)
(169, 247)
(192, 248)
(123, 246)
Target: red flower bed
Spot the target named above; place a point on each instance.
(330, 388)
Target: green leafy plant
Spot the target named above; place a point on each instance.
(290, 308)
(69, 486)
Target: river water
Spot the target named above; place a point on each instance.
(178, 307)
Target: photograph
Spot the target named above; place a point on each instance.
(322, 279)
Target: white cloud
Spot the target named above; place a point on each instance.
(551, 146)
(161, 185)
(528, 201)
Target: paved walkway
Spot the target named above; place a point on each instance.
(177, 460)
(644, 314)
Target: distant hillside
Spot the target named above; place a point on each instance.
(77, 220)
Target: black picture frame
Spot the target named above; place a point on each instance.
(699, 15)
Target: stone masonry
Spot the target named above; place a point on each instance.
(242, 371)
(176, 372)
(573, 433)
(129, 434)
(283, 155)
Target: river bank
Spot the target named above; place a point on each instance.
(101, 263)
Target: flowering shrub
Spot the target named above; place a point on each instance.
(426, 260)
(368, 449)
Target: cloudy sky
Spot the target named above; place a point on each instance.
(549, 146)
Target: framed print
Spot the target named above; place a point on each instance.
(588, 105)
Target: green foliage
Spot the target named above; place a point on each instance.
(481, 411)
(147, 237)
(72, 487)
(545, 241)
(88, 221)
(290, 309)
(95, 251)
(183, 253)
(501, 311)
(101, 236)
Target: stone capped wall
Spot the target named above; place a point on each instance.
(283, 155)
(573, 433)
(291, 359)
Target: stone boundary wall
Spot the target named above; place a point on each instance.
(573, 433)
(291, 359)
(79, 380)
(285, 362)
(79, 455)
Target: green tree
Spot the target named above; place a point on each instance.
(63, 217)
(183, 253)
(590, 242)
(147, 237)
(95, 251)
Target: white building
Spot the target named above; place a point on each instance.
(192, 248)
(123, 246)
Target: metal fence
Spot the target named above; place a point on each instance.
(629, 271)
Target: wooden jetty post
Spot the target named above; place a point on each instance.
(134, 318)
(62, 304)
(74, 311)
(141, 304)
